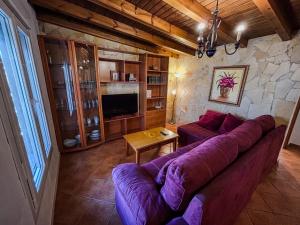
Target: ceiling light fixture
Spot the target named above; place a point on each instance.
(208, 45)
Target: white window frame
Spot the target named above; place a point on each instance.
(10, 123)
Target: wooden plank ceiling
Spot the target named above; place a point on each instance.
(157, 25)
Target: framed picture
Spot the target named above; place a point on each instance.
(114, 76)
(228, 83)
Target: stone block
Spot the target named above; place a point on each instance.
(256, 110)
(270, 87)
(295, 54)
(282, 88)
(255, 95)
(296, 75)
(293, 95)
(283, 69)
(282, 109)
(278, 48)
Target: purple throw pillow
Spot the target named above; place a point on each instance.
(211, 120)
(230, 122)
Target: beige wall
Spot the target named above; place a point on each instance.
(15, 209)
(295, 136)
(272, 86)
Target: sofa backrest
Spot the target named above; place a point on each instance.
(221, 201)
(183, 177)
(266, 122)
(246, 134)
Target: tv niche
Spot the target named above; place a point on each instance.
(119, 104)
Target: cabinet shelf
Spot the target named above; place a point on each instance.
(158, 97)
(125, 117)
(58, 64)
(121, 82)
(158, 71)
(153, 109)
(162, 84)
(133, 62)
(119, 60)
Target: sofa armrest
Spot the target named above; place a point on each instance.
(139, 195)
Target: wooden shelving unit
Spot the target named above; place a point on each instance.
(76, 79)
(116, 127)
(157, 82)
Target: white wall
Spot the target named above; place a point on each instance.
(15, 209)
(295, 136)
(272, 86)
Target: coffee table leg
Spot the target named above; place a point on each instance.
(137, 157)
(174, 145)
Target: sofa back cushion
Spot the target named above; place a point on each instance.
(211, 120)
(246, 134)
(266, 122)
(192, 170)
(230, 122)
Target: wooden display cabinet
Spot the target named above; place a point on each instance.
(71, 76)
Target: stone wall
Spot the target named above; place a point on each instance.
(272, 86)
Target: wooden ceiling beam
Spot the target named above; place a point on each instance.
(279, 14)
(139, 15)
(75, 11)
(91, 30)
(196, 11)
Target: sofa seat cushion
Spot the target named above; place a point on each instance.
(246, 134)
(192, 132)
(211, 120)
(230, 122)
(139, 193)
(192, 170)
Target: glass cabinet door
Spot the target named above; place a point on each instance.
(57, 52)
(86, 71)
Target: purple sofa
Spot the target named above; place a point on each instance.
(210, 124)
(208, 182)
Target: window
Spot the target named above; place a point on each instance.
(37, 101)
(25, 96)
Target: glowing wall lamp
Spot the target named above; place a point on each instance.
(174, 93)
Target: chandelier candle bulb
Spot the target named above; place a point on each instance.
(240, 29)
(238, 37)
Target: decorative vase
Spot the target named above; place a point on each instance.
(224, 92)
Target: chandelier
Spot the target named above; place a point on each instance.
(208, 45)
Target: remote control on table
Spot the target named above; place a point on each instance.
(163, 132)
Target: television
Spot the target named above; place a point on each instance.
(119, 104)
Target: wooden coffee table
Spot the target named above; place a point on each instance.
(148, 139)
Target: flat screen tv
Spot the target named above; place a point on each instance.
(119, 104)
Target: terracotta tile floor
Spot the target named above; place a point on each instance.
(85, 194)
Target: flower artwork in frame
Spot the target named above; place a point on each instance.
(228, 84)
